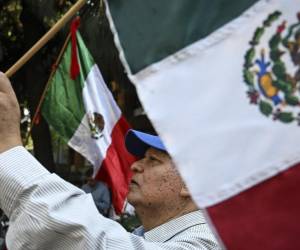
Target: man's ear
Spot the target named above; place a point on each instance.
(184, 192)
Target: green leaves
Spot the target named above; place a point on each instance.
(285, 117)
(275, 41)
(271, 18)
(266, 108)
(257, 35)
(279, 69)
(250, 54)
(249, 77)
(284, 86)
(292, 100)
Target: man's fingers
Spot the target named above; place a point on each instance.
(9, 116)
(5, 85)
(8, 99)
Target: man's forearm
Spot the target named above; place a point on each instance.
(13, 181)
(47, 212)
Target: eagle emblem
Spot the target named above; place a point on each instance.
(96, 124)
(272, 68)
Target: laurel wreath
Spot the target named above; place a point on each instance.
(278, 68)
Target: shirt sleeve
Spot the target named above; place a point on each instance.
(47, 212)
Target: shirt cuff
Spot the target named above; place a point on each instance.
(18, 171)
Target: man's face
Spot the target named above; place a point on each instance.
(155, 182)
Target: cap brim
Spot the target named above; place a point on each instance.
(137, 142)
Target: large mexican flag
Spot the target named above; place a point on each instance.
(220, 81)
(83, 111)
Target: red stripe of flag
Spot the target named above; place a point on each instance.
(266, 216)
(115, 168)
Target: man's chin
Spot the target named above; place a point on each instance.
(132, 197)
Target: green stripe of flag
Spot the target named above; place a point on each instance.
(64, 100)
(151, 30)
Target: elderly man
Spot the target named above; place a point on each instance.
(48, 213)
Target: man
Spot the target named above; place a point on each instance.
(160, 197)
(99, 191)
(47, 212)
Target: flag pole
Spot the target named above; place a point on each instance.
(49, 35)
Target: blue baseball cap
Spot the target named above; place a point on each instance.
(137, 142)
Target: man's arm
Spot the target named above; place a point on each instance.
(47, 212)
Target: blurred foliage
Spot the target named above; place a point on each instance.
(11, 28)
(129, 222)
(62, 7)
(47, 12)
(96, 8)
(10, 23)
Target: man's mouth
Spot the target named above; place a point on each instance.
(133, 182)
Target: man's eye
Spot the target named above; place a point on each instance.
(154, 159)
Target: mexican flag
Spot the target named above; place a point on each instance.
(82, 110)
(220, 80)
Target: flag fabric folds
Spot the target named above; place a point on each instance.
(220, 81)
(84, 113)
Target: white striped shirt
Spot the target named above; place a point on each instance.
(47, 213)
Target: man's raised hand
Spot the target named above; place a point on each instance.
(10, 135)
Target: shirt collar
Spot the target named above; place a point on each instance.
(164, 232)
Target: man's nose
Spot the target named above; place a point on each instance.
(137, 166)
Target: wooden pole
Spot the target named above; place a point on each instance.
(49, 35)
